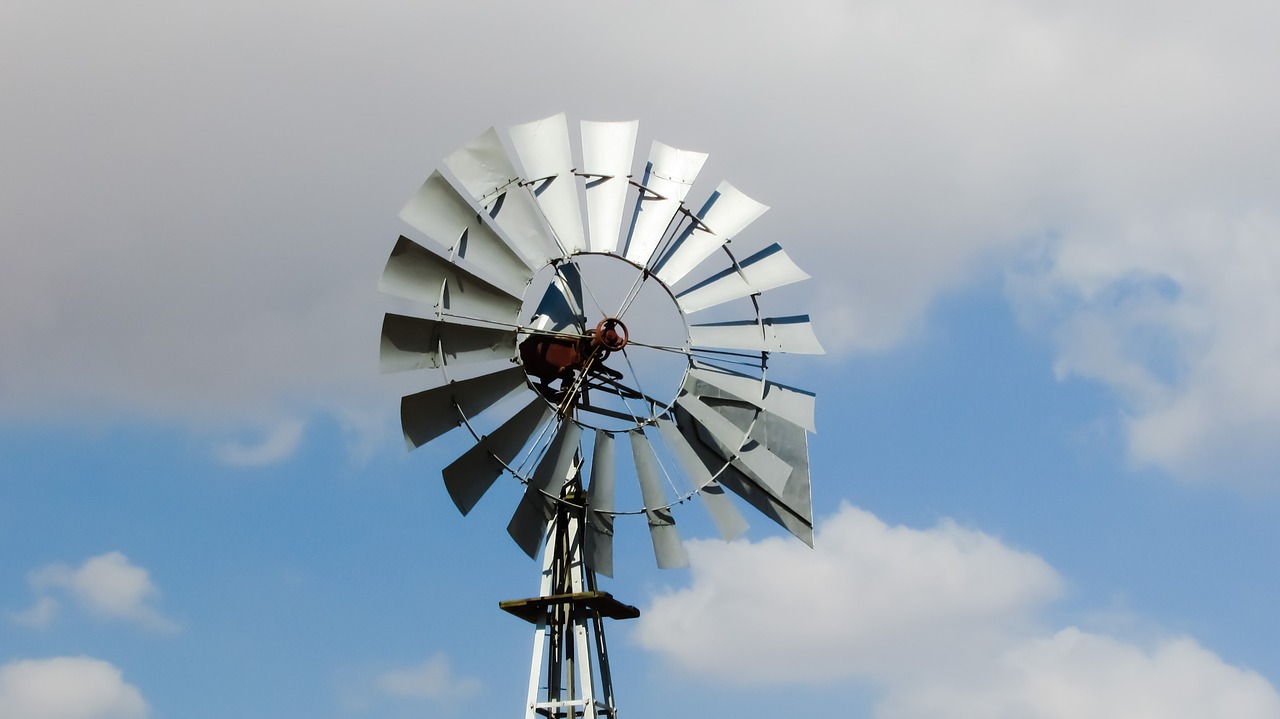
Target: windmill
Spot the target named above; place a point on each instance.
(555, 335)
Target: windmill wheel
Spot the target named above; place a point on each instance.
(573, 334)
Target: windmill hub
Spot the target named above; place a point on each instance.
(549, 356)
(610, 335)
(605, 342)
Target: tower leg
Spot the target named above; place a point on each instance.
(569, 676)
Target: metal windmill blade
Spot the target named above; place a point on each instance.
(556, 294)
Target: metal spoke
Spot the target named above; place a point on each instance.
(527, 329)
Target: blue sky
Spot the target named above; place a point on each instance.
(1043, 252)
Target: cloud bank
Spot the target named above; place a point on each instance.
(199, 224)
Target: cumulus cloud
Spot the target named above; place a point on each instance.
(67, 688)
(278, 444)
(868, 597)
(1077, 675)
(107, 586)
(944, 621)
(431, 680)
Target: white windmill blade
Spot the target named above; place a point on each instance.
(763, 271)
(726, 213)
(667, 178)
(797, 521)
(438, 211)
(769, 506)
(792, 404)
(771, 334)
(468, 477)
(791, 444)
(489, 177)
(766, 433)
(410, 343)
(785, 440)
(727, 518)
(529, 523)
(416, 273)
(427, 415)
(599, 520)
(730, 441)
(607, 152)
(561, 304)
(543, 149)
(667, 547)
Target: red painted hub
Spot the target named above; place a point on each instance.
(549, 357)
(610, 334)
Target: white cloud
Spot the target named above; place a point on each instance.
(1078, 675)
(279, 443)
(868, 598)
(432, 680)
(67, 688)
(39, 616)
(944, 621)
(108, 586)
(1182, 320)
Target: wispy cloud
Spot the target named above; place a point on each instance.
(277, 444)
(39, 616)
(432, 680)
(1180, 317)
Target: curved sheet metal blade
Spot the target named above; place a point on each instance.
(798, 521)
(416, 273)
(529, 523)
(774, 334)
(767, 433)
(482, 166)
(728, 520)
(732, 442)
(489, 177)
(427, 415)
(607, 152)
(543, 148)
(410, 343)
(763, 271)
(667, 178)
(468, 477)
(599, 537)
(561, 304)
(441, 213)
(667, 547)
(790, 443)
(726, 213)
(725, 516)
(789, 403)
(559, 464)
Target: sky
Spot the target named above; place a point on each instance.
(1045, 256)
